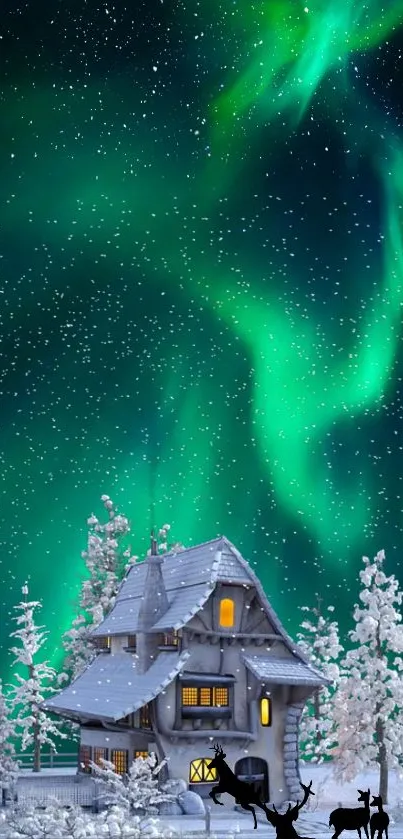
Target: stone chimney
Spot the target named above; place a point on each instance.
(153, 606)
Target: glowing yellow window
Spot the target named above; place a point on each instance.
(205, 696)
(189, 696)
(200, 773)
(265, 711)
(100, 754)
(220, 696)
(227, 612)
(119, 760)
(137, 754)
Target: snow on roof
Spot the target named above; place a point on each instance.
(284, 671)
(126, 688)
(190, 576)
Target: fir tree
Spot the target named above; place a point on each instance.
(105, 562)
(138, 791)
(368, 706)
(8, 761)
(33, 725)
(319, 641)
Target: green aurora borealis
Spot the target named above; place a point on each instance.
(201, 287)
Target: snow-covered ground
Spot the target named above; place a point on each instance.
(313, 821)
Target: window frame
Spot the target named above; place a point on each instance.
(85, 758)
(145, 717)
(221, 607)
(200, 689)
(262, 715)
(120, 752)
(97, 758)
(212, 773)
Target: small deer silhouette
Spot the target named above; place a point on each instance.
(244, 793)
(283, 822)
(351, 818)
(380, 820)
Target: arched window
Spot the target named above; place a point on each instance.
(227, 612)
(265, 711)
(200, 773)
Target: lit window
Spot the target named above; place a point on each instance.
(168, 639)
(265, 711)
(103, 643)
(220, 696)
(145, 717)
(100, 754)
(227, 611)
(131, 642)
(85, 758)
(205, 696)
(144, 755)
(200, 773)
(119, 760)
(189, 696)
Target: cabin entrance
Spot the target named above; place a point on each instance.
(254, 770)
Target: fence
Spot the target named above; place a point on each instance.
(49, 760)
(39, 795)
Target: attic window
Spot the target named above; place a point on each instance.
(227, 612)
(145, 721)
(168, 639)
(103, 643)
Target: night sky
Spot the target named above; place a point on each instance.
(201, 286)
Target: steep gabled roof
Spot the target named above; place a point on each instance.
(111, 687)
(190, 577)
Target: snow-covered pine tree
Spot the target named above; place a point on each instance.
(106, 562)
(319, 641)
(8, 761)
(368, 704)
(138, 791)
(33, 725)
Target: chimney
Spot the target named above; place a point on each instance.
(153, 606)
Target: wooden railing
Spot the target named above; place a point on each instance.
(49, 760)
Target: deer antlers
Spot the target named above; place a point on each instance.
(217, 748)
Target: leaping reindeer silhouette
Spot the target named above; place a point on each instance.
(283, 822)
(244, 793)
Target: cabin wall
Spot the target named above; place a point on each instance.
(269, 746)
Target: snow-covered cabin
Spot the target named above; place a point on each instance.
(192, 653)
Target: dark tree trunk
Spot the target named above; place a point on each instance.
(383, 761)
(37, 748)
(380, 733)
(317, 715)
(36, 726)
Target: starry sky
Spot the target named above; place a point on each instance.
(201, 269)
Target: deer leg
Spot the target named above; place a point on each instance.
(215, 791)
(249, 807)
(366, 830)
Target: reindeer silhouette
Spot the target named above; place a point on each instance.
(351, 818)
(283, 822)
(380, 820)
(244, 793)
